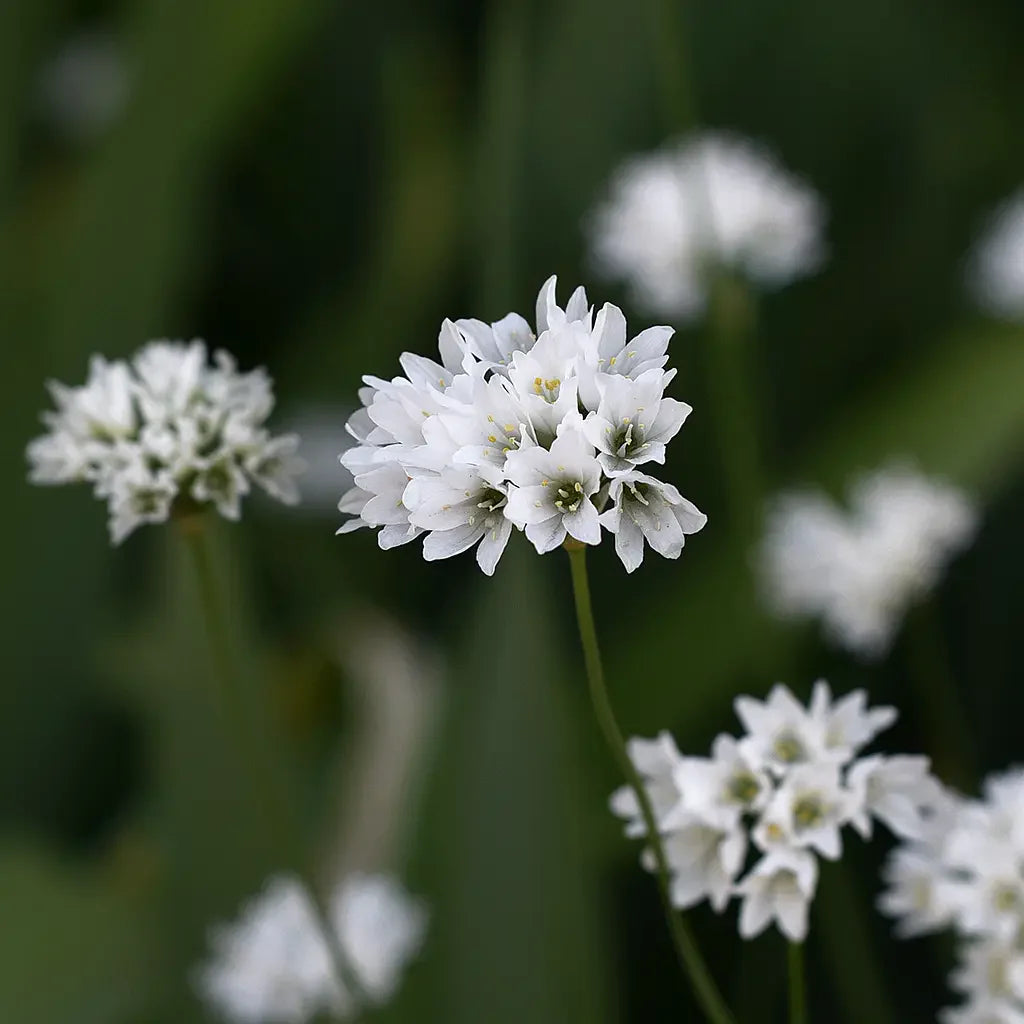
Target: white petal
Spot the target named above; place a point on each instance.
(546, 536)
(492, 546)
(445, 543)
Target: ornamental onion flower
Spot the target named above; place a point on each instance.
(860, 571)
(273, 965)
(963, 872)
(715, 201)
(752, 820)
(554, 433)
(166, 430)
(995, 273)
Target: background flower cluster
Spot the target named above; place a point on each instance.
(751, 820)
(165, 426)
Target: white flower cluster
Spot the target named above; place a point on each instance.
(714, 201)
(165, 427)
(783, 790)
(966, 872)
(860, 571)
(995, 273)
(514, 428)
(273, 965)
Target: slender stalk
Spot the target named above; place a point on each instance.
(505, 71)
(249, 749)
(689, 955)
(797, 988)
(673, 65)
(941, 709)
(729, 354)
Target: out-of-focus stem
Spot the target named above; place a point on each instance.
(504, 79)
(938, 699)
(689, 955)
(248, 748)
(732, 386)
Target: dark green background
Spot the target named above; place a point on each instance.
(314, 185)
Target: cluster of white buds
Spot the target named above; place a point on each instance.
(783, 791)
(551, 432)
(273, 966)
(995, 272)
(860, 571)
(713, 202)
(165, 428)
(965, 871)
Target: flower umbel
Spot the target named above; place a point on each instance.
(712, 202)
(514, 429)
(860, 571)
(965, 870)
(167, 427)
(273, 965)
(784, 790)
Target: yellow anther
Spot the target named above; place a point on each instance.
(629, 355)
(579, 487)
(490, 419)
(544, 483)
(611, 362)
(444, 508)
(509, 427)
(773, 832)
(537, 381)
(491, 438)
(553, 384)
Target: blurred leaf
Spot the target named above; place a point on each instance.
(204, 817)
(513, 884)
(74, 949)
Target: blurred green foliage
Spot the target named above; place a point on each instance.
(315, 185)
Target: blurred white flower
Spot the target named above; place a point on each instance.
(860, 571)
(273, 966)
(657, 761)
(965, 870)
(995, 271)
(780, 887)
(166, 428)
(84, 87)
(785, 790)
(713, 201)
(516, 429)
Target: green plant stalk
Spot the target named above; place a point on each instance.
(797, 986)
(249, 749)
(942, 717)
(729, 353)
(689, 955)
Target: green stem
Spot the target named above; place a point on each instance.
(689, 955)
(941, 709)
(505, 76)
(730, 374)
(673, 65)
(797, 989)
(250, 751)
